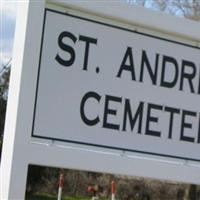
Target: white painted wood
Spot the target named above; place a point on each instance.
(16, 154)
(137, 15)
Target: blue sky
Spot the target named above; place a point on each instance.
(7, 27)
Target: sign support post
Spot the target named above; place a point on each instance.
(16, 141)
(61, 185)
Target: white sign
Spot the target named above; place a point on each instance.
(90, 90)
(105, 85)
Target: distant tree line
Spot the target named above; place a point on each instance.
(189, 9)
(4, 83)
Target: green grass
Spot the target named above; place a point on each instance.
(52, 197)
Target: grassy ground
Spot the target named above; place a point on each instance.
(51, 197)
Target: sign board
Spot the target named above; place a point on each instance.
(95, 81)
(105, 85)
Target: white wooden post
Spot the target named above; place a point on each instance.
(61, 185)
(16, 152)
(113, 190)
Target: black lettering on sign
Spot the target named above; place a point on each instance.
(128, 67)
(186, 75)
(97, 97)
(145, 62)
(70, 50)
(173, 63)
(151, 118)
(67, 48)
(88, 41)
(172, 111)
(128, 114)
(108, 111)
(185, 125)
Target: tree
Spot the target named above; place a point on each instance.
(4, 83)
(189, 9)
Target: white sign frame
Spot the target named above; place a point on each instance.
(21, 150)
(108, 132)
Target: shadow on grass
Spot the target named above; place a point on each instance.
(40, 197)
